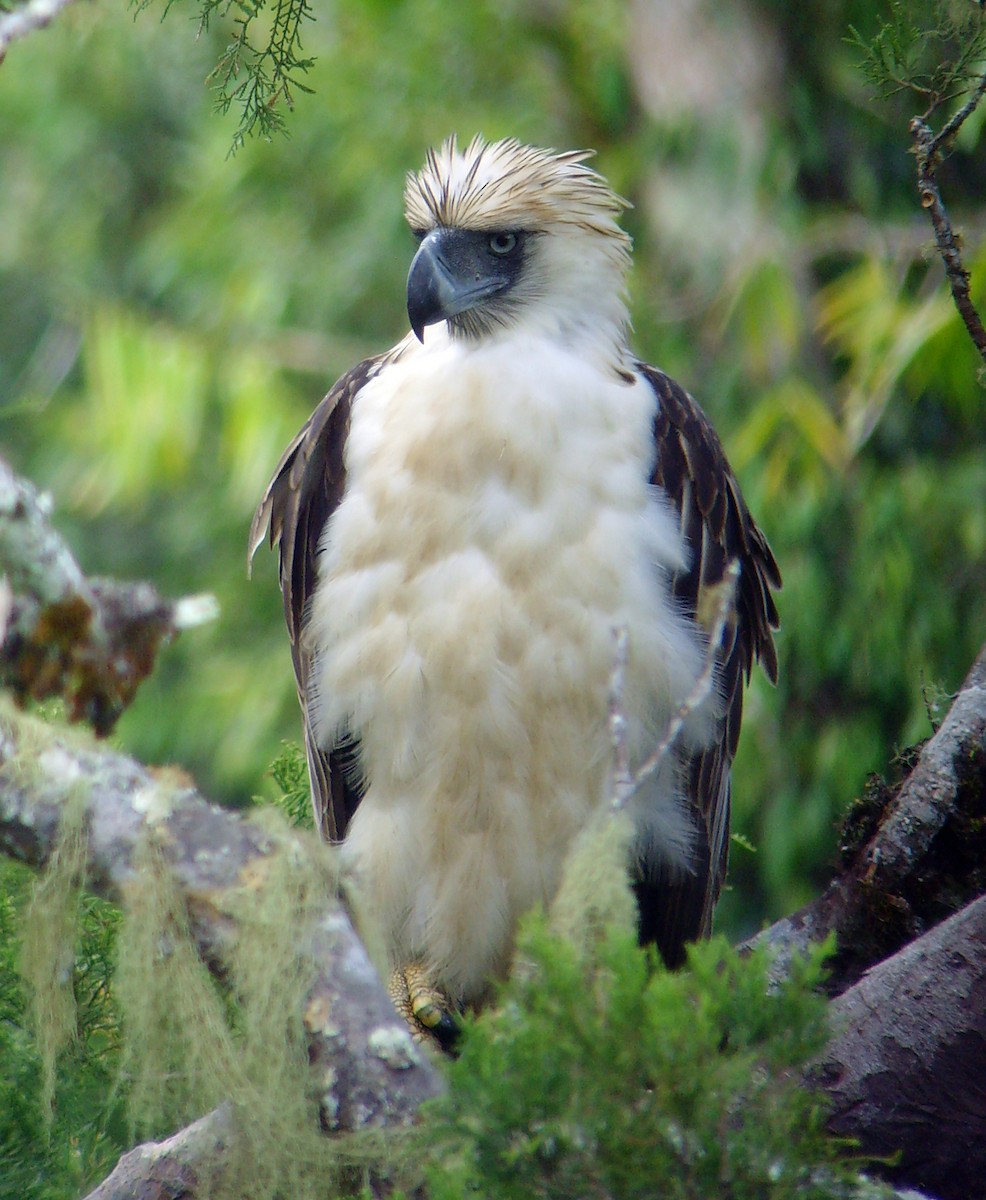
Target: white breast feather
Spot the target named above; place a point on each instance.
(497, 527)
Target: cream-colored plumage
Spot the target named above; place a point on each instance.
(497, 527)
(464, 523)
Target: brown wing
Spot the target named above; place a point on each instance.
(692, 469)
(307, 485)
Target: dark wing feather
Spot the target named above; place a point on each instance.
(692, 469)
(307, 485)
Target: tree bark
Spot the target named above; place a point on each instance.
(906, 1067)
(911, 855)
(187, 1165)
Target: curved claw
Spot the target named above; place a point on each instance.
(430, 1014)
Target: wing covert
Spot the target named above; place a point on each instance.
(306, 487)
(692, 469)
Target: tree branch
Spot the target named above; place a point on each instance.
(368, 1072)
(91, 642)
(28, 18)
(906, 1067)
(920, 852)
(188, 1164)
(928, 148)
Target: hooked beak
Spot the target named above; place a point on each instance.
(449, 275)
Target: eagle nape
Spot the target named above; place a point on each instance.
(462, 523)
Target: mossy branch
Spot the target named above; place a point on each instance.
(188, 1164)
(91, 642)
(911, 855)
(367, 1072)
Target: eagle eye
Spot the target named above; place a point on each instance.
(502, 244)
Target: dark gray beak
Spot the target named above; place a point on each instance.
(453, 271)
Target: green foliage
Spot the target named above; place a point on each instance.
(261, 66)
(933, 49)
(261, 81)
(599, 1073)
(290, 772)
(623, 1079)
(54, 1147)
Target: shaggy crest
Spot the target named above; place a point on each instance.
(507, 185)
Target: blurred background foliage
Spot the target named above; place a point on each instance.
(169, 314)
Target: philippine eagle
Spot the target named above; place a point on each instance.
(463, 523)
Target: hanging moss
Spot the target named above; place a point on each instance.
(595, 894)
(190, 1044)
(177, 1045)
(48, 951)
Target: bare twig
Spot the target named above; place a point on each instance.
(625, 782)
(91, 641)
(622, 774)
(929, 147)
(28, 18)
(951, 127)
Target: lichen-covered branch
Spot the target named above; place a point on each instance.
(90, 641)
(918, 854)
(187, 1164)
(906, 1065)
(365, 1069)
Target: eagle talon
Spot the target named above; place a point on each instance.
(428, 1011)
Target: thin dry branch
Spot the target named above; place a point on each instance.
(625, 781)
(623, 786)
(90, 641)
(929, 148)
(28, 18)
(367, 1070)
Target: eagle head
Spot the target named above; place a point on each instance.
(512, 234)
